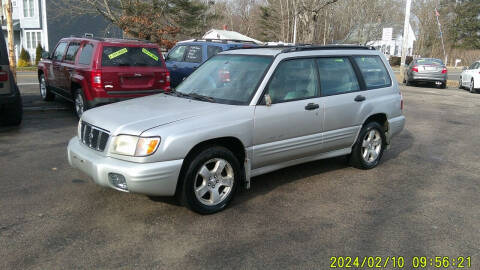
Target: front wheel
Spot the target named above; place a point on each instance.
(472, 86)
(368, 149)
(44, 91)
(211, 180)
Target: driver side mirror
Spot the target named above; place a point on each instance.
(45, 55)
(268, 100)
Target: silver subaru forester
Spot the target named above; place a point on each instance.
(243, 113)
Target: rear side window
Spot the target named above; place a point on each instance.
(374, 72)
(86, 55)
(72, 52)
(177, 54)
(194, 54)
(213, 50)
(117, 56)
(60, 51)
(337, 76)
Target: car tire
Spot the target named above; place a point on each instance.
(45, 92)
(472, 87)
(12, 114)
(443, 85)
(369, 147)
(80, 104)
(210, 180)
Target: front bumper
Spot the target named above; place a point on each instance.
(155, 179)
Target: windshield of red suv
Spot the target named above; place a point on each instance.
(116, 56)
(230, 79)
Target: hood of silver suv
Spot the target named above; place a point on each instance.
(135, 116)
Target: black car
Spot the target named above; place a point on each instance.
(11, 111)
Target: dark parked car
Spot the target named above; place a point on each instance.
(11, 111)
(430, 70)
(186, 56)
(94, 71)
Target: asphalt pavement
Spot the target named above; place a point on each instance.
(422, 200)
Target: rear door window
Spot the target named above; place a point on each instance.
(116, 56)
(72, 51)
(213, 50)
(373, 71)
(86, 55)
(194, 54)
(337, 76)
(177, 54)
(59, 51)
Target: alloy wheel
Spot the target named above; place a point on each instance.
(214, 181)
(371, 146)
(43, 88)
(79, 105)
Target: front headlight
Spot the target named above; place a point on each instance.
(135, 146)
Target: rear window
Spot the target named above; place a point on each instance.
(114, 56)
(429, 61)
(374, 72)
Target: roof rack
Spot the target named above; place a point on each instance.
(224, 40)
(309, 47)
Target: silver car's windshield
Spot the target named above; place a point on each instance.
(230, 79)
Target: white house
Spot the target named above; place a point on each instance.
(392, 46)
(29, 25)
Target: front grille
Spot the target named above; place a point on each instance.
(93, 137)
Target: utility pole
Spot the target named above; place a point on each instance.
(406, 29)
(11, 45)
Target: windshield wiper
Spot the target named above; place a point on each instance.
(192, 95)
(201, 97)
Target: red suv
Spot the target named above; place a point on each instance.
(93, 71)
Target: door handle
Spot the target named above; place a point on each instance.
(360, 98)
(312, 106)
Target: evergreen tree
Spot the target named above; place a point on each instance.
(24, 59)
(466, 27)
(38, 53)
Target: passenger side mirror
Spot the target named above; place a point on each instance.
(268, 100)
(45, 55)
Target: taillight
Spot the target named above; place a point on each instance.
(415, 69)
(96, 79)
(3, 76)
(444, 70)
(167, 77)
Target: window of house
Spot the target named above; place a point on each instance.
(28, 8)
(14, 3)
(33, 39)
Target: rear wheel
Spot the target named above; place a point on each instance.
(11, 114)
(211, 180)
(44, 91)
(368, 149)
(80, 103)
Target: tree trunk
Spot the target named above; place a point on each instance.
(11, 45)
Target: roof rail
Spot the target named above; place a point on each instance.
(309, 47)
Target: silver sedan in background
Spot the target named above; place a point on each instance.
(428, 70)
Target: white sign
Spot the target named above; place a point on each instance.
(387, 34)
